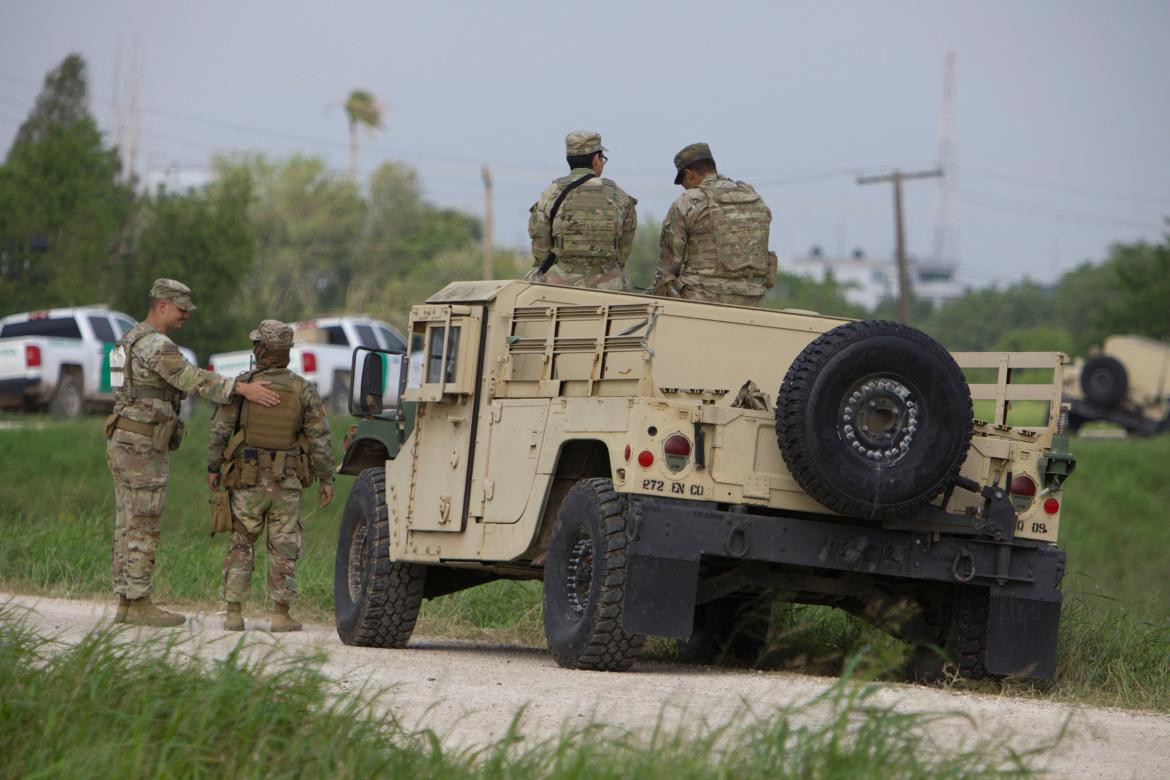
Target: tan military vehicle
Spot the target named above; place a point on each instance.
(1127, 383)
(665, 464)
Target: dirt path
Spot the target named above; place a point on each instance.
(468, 693)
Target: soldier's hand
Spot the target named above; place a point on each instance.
(324, 495)
(213, 480)
(257, 392)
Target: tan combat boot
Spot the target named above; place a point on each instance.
(282, 621)
(234, 621)
(142, 613)
(123, 606)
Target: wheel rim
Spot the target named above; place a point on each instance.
(878, 420)
(579, 582)
(354, 576)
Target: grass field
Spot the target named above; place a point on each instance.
(56, 518)
(83, 711)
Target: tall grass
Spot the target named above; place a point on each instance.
(112, 708)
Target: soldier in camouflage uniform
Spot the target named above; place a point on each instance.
(714, 244)
(154, 377)
(271, 454)
(592, 231)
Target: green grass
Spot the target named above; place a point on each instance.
(106, 707)
(56, 519)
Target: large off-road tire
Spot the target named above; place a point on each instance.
(874, 419)
(958, 619)
(339, 395)
(584, 581)
(375, 600)
(733, 628)
(1104, 381)
(69, 398)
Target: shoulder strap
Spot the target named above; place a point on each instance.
(551, 260)
(128, 371)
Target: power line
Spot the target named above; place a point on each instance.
(1017, 207)
(1066, 188)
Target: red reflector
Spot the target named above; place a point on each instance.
(677, 444)
(32, 355)
(211, 367)
(1023, 486)
(645, 459)
(1051, 506)
(628, 451)
(308, 362)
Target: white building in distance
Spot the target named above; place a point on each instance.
(869, 281)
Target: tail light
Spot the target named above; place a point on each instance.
(645, 459)
(211, 367)
(350, 430)
(308, 363)
(677, 449)
(628, 452)
(32, 355)
(1051, 506)
(1022, 492)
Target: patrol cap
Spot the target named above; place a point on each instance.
(581, 142)
(175, 292)
(690, 154)
(273, 334)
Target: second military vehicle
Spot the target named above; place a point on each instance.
(1127, 383)
(663, 465)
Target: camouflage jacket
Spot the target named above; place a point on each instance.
(314, 424)
(156, 362)
(548, 237)
(716, 235)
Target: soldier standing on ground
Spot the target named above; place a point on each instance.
(582, 228)
(142, 431)
(272, 453)
(714, 244)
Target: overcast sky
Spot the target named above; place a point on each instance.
(1061, 111)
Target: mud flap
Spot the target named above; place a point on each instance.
(1022, 636)
(660, 596)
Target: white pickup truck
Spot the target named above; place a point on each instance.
(60, 359)
(322, 353)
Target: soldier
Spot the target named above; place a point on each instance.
(272, 453)
(582, 228)
(714, 244)
(145, 426)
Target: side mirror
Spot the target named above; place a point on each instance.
(376, 389)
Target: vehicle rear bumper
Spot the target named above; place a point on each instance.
(669, 540)
(16, 392)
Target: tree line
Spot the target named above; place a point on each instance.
(291, 239)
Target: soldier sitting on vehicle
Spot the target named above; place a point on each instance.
(714, 244)
(272, 453)
(582, 228)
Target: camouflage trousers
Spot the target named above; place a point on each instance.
(140, 490)
(279, 508)
(715, 291)
(607, 277)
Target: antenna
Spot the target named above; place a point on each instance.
(946, 234)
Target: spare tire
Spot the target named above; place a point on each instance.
(874, 419)
(1104, 381)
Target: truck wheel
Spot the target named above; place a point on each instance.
(959, 621)
(375, 600)
(1104, 381)
(874, 419)
(68, 399)
(339, 395)
(584, 581)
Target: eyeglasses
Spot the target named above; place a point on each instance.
(603, 157)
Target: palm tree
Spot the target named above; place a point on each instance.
(364, 110)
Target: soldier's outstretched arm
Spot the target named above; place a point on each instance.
(174, 368)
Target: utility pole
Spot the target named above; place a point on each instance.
(897, 177)
(487, 221)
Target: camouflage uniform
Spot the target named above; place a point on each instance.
(593, 232)
(265, 484)
(156, 377)
(714, 244)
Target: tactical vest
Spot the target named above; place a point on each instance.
(273, 427)
(588, 226)
(122, 380)
(735, 242)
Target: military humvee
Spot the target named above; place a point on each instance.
(662, 464)
(1127, 383)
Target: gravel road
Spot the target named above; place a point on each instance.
(468, 693)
